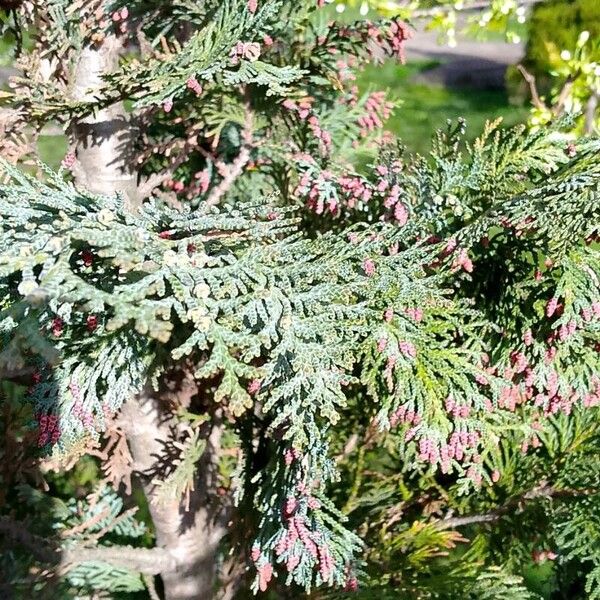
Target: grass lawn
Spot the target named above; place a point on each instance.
(426, 108)
(52, 149)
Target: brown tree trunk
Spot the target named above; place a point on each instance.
(190, 534)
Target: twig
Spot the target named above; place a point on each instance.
(17, 532)
(530, 79)
(182, 146)
(349, 447)
(236, 168)
(209, 156)
(156, 179)
(542, 491)
(562, 98)
(86, 524)
(122, 517)
(232, 171)
(149, 561)
(490, 517)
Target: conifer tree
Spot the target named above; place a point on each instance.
(237, 283)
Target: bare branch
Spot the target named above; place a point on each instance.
(350, 446)
(563, 96)
(17, 532)
(86, 524)
(535, 96)
(235, 169)
(153, 181)
(542, 491)
(149, 561)
(452, 523)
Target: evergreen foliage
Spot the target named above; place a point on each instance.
(266, 310)
(400, 347)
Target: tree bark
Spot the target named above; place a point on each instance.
(190, 534)
(104, 139)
